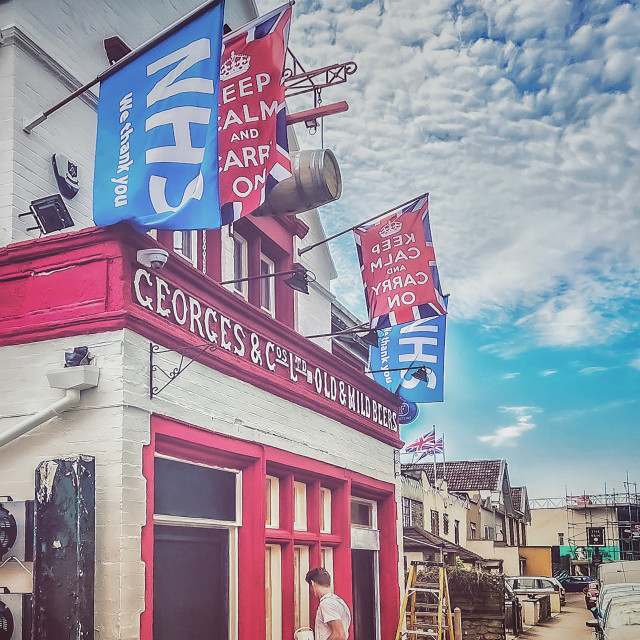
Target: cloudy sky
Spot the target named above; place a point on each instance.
(523, 124)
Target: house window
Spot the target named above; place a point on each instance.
(435, 522)
(406, 512)
(456, 531)
(561, 539)
(300, 587)
(325, 510)
(273, 502)
(240, 265)
(472, 530)
(267, 285)
(445, 524)
(273, 592)
(300, 506)
(184, 243)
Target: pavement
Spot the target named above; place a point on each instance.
(567, 625)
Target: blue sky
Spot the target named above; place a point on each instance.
(524, 126)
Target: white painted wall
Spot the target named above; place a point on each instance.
(112, 424)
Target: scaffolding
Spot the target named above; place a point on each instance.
(616, 513)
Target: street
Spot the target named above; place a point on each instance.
(568, 625)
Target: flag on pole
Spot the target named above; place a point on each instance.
(423, 443)
(398, 267)
(402, 347)
(254, 151)
(156, 162)
(436, 447)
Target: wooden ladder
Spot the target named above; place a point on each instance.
(426, 607)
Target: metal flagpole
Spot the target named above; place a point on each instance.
(341, 233)
(132, 55)
(435, 469)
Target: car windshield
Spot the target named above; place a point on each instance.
(623, 614)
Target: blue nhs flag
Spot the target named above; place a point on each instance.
(419, 343)
(156, 160)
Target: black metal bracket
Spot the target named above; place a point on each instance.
(154, 368)
(297, 80)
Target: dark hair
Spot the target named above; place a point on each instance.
(320, 576)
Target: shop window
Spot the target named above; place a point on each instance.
(273, 592)
(184, 489)
(326, 556)
(267, 285)
(325, 510)
(185, 243)
(300, 506)
(445, 524)
(435, 522)
(273, 502)
(240, 265)
(363, 513)
(300, 587)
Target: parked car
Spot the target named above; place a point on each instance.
(610, 591)
(591, 592)
(536, 585)
(619, 571)
(620, 621)
(576, 584)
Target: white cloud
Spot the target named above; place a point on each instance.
(521, 123)
(548, 372)
(508, 435)
(636, 363)
(588, 371)
(509, 376)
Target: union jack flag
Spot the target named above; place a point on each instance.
(423, 443)
(436, 447)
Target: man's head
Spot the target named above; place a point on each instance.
(320, 581)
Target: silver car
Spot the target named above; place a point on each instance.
(620, 620)
(536, 585)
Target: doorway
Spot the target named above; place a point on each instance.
(190, 583)
(363, 576)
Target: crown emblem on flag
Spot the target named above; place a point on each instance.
(393, 226)
(234, 65)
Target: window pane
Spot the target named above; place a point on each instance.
(325, 510)
(240, 268)
(273, 590)
(300, 587)
(273, 502)
(300, 506)
(361, 514)
(266, 284)
(182, 489)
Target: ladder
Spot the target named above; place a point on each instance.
(426, 607)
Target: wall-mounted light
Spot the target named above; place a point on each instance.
(115, 48)
(299, 280)
(418, 372)
(50, 214)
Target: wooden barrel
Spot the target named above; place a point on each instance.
(316, 180)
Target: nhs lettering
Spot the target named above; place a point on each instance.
(398, 267)
(157, 143)
(419, 343)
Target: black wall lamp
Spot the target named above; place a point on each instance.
(299, 279)
(371, 337)
(50, 214)
(419, 372)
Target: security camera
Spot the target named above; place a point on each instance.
(153, 258)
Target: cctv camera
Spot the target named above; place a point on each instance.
(153, 258)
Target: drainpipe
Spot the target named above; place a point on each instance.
(73, 380)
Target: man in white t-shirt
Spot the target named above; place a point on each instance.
(333, 617)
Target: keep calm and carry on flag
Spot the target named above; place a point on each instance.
(398, 267)
(156, 160)
(254, 151)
